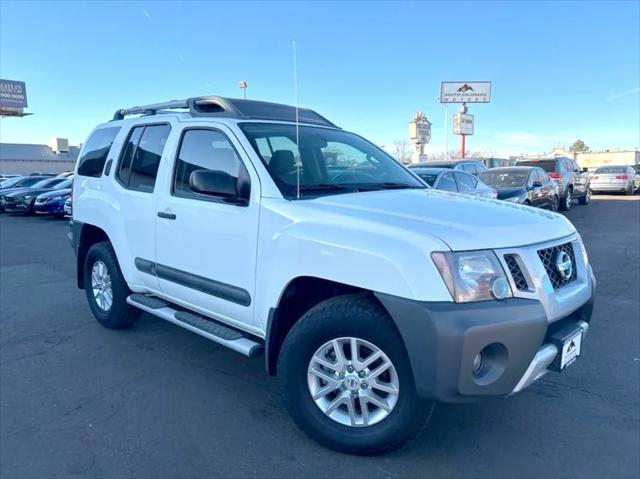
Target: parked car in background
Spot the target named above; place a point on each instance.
(66, 174)
(572, 181)
(470, 166)
(19, 182)
(4, 177)
(522, 184)
(22, 200)
(68, 211)
(52, 202)
(621, 178)
(456, 181)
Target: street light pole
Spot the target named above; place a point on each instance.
(446, 131)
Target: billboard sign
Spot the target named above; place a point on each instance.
(462, 124)
(465, 92)
(13, 95)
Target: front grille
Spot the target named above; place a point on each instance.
(548, 257)
(516, 272)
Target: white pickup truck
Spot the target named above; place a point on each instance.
(269, 230)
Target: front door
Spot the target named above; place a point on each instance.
(206, 246)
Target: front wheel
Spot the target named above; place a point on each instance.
(346, 378)
(555, 202)
(586, 199)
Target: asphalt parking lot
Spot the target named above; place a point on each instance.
(77, 400)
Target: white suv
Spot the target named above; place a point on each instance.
(271, 231)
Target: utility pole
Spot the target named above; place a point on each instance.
(243, 87)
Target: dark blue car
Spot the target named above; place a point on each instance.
(52, 202)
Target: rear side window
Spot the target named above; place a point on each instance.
(141, 157)
(547, 165)
(94, 154)
(203, 150)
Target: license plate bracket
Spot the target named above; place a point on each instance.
(568, 340)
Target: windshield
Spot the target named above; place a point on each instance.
(63, 184)
(547, 165)
(330, 161)
(611, 169)
(504, 179)
(47, 183)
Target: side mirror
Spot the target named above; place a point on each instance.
(585, 170)
(537, 184)
(219, 184)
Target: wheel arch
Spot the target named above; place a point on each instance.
(301, 294)
(87, 235)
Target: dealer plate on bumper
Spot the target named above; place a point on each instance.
(568, 340)
(571, 350)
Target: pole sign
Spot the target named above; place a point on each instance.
(13, 95)
(465, 92)
(419, 129)
(462, 124)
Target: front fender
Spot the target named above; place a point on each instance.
(362, 254)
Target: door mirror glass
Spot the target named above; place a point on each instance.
(585, 170)
(215, 183)
(537, 184)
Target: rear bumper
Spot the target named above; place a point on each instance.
(442, 340)
(617, 186)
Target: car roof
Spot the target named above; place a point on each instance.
(444, 163)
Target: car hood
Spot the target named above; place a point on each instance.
(50, 194)
(509, 192)
(462, 222)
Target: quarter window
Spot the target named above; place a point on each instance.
(447, 182)
(466, 182)
(203, 150)
(94, 154)
(141, 157)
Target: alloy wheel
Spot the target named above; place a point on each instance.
(101, 285)
(353, 382)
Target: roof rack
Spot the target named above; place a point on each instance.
(207, 106)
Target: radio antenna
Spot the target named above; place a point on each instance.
(295, 91)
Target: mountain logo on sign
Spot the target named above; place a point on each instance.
(465, 88)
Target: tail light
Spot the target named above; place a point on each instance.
(622, 177)
(555, 176)
(595, 177)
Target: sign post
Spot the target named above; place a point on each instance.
(420, 134)
(464, 92)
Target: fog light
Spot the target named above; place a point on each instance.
(478, 362)
(500, 288)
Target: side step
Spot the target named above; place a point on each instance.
(207, 328)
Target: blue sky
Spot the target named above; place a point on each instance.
(560, 71)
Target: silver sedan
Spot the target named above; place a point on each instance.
(614, 178)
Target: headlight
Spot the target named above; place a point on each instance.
(27, 198)
(472, 275)
(585, 256)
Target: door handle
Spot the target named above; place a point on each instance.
(166, 216)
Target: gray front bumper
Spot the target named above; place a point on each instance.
(442, 339)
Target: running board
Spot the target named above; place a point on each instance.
(207, 328)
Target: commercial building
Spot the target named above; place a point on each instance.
(24, 159)
(594, 159)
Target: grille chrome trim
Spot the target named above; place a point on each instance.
(516, 272)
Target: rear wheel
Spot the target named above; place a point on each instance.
(567, 201)
(629, 190)
(106, 289)
(346, 379)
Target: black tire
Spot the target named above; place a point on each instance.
(629, 190)
(566, 202)
(555, 202)
(586, 199)
(358, 316)
(120, 315)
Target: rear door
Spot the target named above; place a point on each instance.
(135, 177)
(580, 179)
